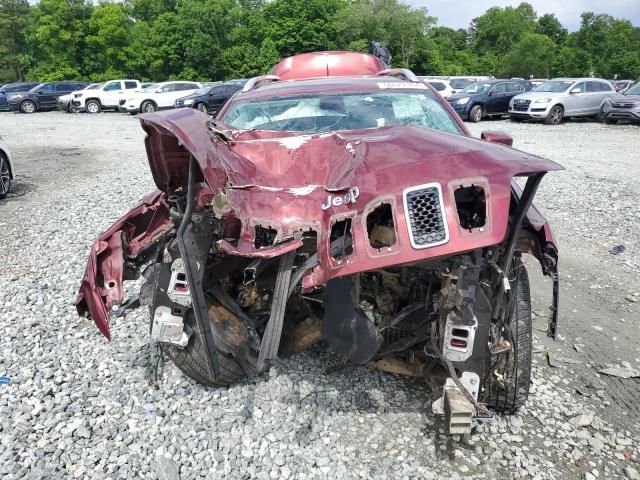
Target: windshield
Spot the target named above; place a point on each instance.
(93, 86)
(461, 83)
(201, 91)
(150, 88)
(341, 112)
(477, 88)
(554, 86)
(634, 90)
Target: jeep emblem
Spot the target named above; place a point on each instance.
(349, 197)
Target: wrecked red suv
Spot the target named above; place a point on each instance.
(345, 207)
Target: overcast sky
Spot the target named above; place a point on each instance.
(459, 14)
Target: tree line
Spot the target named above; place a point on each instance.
(222, 39)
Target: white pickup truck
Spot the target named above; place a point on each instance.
(105, 97)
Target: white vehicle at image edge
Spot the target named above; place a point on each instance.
(6, 169)
(107, 96)
(560, 98)
(158, 96)
(443, 87)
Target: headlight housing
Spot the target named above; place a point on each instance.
(463, 101)
(542, 100)
(188, 101)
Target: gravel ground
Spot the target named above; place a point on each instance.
(81, 407)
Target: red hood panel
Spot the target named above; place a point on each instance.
(395, 156)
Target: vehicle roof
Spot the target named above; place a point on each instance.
(577, 79)
(329, 84)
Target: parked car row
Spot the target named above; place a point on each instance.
(124, 95)
(549, 101)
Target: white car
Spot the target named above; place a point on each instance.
(158, 96)
(443, 87)
(6, 169)
(106, 97)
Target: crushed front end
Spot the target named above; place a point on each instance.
(400, 247)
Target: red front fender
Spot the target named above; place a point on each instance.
(101, 287)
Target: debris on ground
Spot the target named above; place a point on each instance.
(617, 250)
(621, 371)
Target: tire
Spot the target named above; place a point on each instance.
(148, 107)
(202, 107)
(513, 394)
(28, 107)
(72, 109)
(93, 106)
(515, 119)
(610, 121)
(555, 116)
(5, 176)
(192, 361)
(475, 114)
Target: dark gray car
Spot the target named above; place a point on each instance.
(623, 107)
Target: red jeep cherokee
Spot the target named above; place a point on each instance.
(340, 203)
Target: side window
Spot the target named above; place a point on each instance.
(189, 86)
(130, 85)
(169, 88)
(514, 87)
(579, 86)
(439, 86)
(605, 87)
(62, 87)
(499, 88)
(47, 88)
(112, 87)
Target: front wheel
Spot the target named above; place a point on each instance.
(28, 107)
(475, 115)
(148, 107)
(192, 360)
(93, 106)
(555, 116)
(5, 176)
(202, 107)
(506, 383)
(610, 121)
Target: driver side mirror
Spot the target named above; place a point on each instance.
(495, 136)
(576, 90)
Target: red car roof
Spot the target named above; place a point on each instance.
(327, 64)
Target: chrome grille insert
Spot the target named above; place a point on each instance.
(426, 220)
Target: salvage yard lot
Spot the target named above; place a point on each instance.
(80, 407)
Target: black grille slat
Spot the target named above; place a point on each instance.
(425, 218)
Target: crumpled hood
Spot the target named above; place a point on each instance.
(395, 155)
(626, 99)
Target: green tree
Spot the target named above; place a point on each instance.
(532, 56)
(550, 26)
(499, 29)
(298, 26)
(13, 20)
(56, 36)
(109, 35)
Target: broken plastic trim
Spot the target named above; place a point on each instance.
(471, 204)
(194, 277)
(341, 231)
(521, 211)
(380, 226)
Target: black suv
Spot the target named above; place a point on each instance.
(487, 98)
(11, 88)
(210, 99)
(42, 97)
